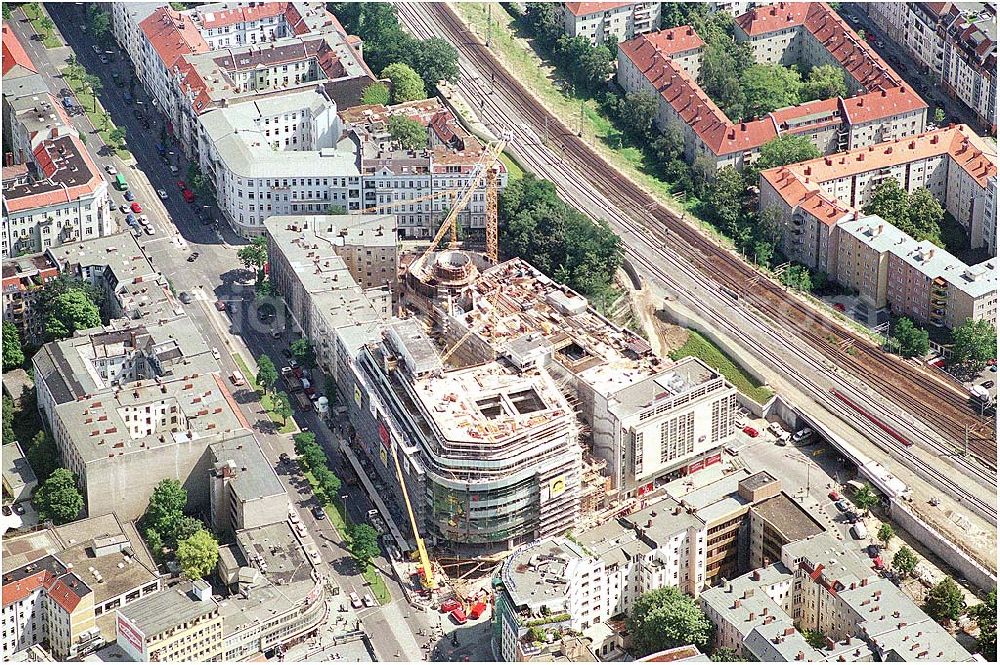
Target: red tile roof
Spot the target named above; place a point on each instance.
(13, 52)
(172, 35)
(675, 40)
(63, 594)
(586, 8)
(782, 15)
(799, 184)
(24, 587)
(244, 14)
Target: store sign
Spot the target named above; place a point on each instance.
(557, 486)
(383, 455)
(357, 395)
(383, 434)
(714, 459)
(645, 489)
(696, 466)
(131, 634)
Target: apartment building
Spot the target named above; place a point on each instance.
(23, 279)
(179, 624)
(106, 556)
(610, 22)
(689, 539)
(955, 42)
(334, 272)
(45, 601)
(822, 585)
(244, 490)
(880, 105)
(419, 186)
(125, 20)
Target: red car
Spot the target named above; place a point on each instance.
(834, 495)
(477, 610)
(188, 195)
(750, 431)
(450, 605)
(839, 307)
(458, 616)
(136, 208)
(219, 305)
(181, 185)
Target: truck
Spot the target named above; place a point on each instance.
(294, 383)
(121, 184)
(303, 401)
(477, 609)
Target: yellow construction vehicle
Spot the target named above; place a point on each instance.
(427, 578)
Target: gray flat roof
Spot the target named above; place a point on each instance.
(16, 470)
(168, 608)
(254, 476)
(788, 517)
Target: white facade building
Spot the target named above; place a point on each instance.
(610, 22)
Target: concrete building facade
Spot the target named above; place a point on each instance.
(609, 22)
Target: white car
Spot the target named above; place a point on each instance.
(162, 194)
(369, 601)
(355, 600)
(144, 220)
(315, 557)
(111, 169)
(802, 434)
(215, 354)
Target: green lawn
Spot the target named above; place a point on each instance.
(542, 80)
(514, 170)
(35, 14)
(97, 117)
(701, 348)
(265, 399)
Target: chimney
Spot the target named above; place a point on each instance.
(768, 619)
(756, 574)
(800, 656)
(736, 604)
(830, 644)
(752, 616)
(789, 631)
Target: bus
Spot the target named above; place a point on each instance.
(120, 183)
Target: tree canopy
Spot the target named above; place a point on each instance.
(587, 66)
(436, 60)
(283, 406)
(57, 498)
(985, 615)
(769, 87)
(198, 554)
(785, 149)
(865, 498)
(165, 510)
(302, 351)
(905, 561)
(13, 354)
(945, 601)
(409, 133)
(913, 341)
(376, 93)
(407, 85)
(99, 22)
(824, 82)
(885, 533)
(666, 618)
(974, 343)
(254, 256)
(917, 214)
(637, 111)
(8, 424)
(364, 543)
(43, 455)
(267, 375)
(68, 312)
(558, 240)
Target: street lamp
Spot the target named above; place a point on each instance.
(343, 497)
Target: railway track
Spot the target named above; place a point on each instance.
(941, 406)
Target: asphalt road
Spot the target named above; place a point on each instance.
(178, 233)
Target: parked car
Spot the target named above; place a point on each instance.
(318, 513)
(839, 307)
(369, 601)
(834, 495)
(458, 616)
(149, 230)
(188, 195)
(136, 208)
(215, 353)
(185, 297)
(237, 379)
(181, 185)
(802, 435)
(123, 208)
(129, 196)
(858, 531)
(162, 194)
(219, 305)
(96, 50)
(111, 169)
(104, 59)
(987, 384)
(355, 600)
(143, 220)
(193, 257)
(843, 506)
(750, 431)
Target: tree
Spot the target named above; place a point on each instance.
(364, 543)
(303, 440)
(725, 654)
(117, 136)
(165, 509)
(885, 533)
(865, 498)
(335, 210)
(99, 21)
(58, 499)
(889, 202)
(666, 618)
(824, 82)
(155, 542)
(283, 406)
(913, 341)
(95, 85)
(636, 112)
(185, 527)
(8, 424)
(406, 83)
(46, 24)
(13, 354)
(797, 277)
(722, 64)
(904, 560)
(769, 87)
(725, 199)
(70, 311)
(945, 601)
(436, 60)
(815, 638)
(974, 343)
(302, 351)
(783, 150)
(267, 375)
(409, 133)
(198, 554)
(42, 455)
(939, 116)
(985, 615)
(254, 256)
(376, 93)
(924, 216)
